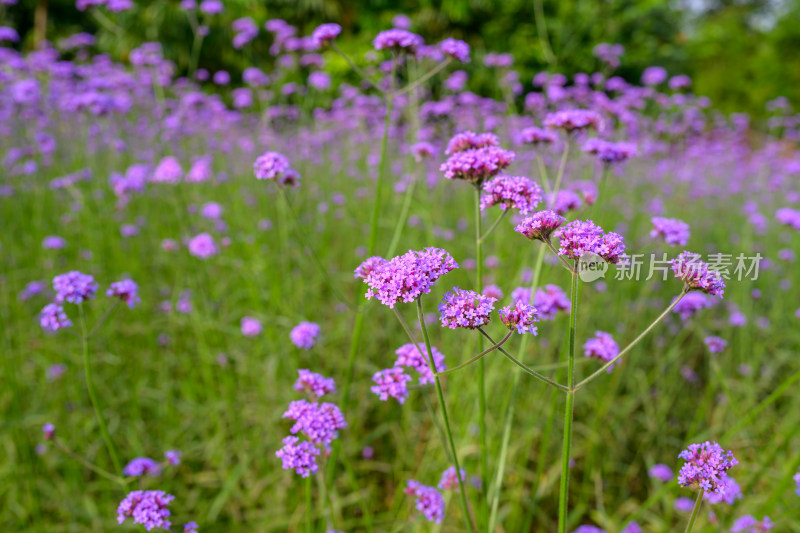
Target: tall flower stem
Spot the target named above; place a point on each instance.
(445, 418)
(523, 366)
(477, 357)
(112, 452)
(85, 462)
(543, 173)
(484, 459)
(601, 189)
(633, 343)
(355, 68)
(568, 409)
(698, 502)
(425, 77)
(494, 225)
(562, 166)
(309, 525)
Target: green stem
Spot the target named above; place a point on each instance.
(631, 345)
(541, 30)
(445, 418)
(358, 70)
(401, 220)
(477, 357)
(493, 226)
(568, 410)
(93, 394)
(484, 450)
(600, 190)
(695, 511)
(309, 526)
(561, 167)
(103, 319)
(194, 59)
(431, 73)
(85, 462)
(376, 210)
(558, 255)
(543, 173)
(525, 367)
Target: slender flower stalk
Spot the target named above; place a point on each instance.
(543, 174)
(601, 190)
(568, 409)
(633, 343)
(355, 68)
(425, 77)
(112, 452)
(309, 524)
(494, 225)
(523, 366)
(698, 502)
(562, 165)
(477, 357)
(484, 460)
(88, 464)
(445, 418)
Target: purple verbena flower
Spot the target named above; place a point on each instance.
(602, 346)
(319, 422)
(406, 277)
(313, 383)
(706, 466)
(458, 50)
(729, 492)
(398, 40)
(468, 140)
(416, 357)
(534, 135)
(574, 120)
(428, 501)
(697, 275)
(74, 287)
(661, 472)
(298, 456)
(511, 192)
(521, 317)
(270, 166)
(551, 300)
(715, 344)
(540, 225)
(749, 524)
(173, 457)
(391, 382)
(675, 232)
(324, 34)
(564, 201)
(465, 309)
(363, 270)
(190, 527)
(449, 480)
(126, 290)
(53, 318)
(609, 152)
(146, 507)
(788, 217)
(304, 335)
(476, 165)
(251, 327)
(202, 246)
(580, 237)
(691, 303)
(48, 431)
(142, 466)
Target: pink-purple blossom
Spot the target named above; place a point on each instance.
(511, 192)
(540, 225)
(462, 308)
(391, 382)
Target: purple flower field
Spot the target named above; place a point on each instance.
(252, 303)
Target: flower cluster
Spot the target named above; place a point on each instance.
(750, 524)
(675, 232)
(469, 140)
(449, 480)
(551, 300)
(706, 466)
(126, 290)
(52, 318)
(398, 40)
(697, 275)
(564, 201)
(146, 507)
(391, 382)
(715, 344)
(691, 303)
(729, 493)
(416, 356)
(428, 501)
(319, 423)
(314, 384)
(609, 152)
(789, 217)
(453, 48)
(465, 309)
(363, 270)
(602, 346)
(584, 237)
(534, 135)
(511, 192)
(477, 164)
(540, 225)
(142, 466)
(325, 33)
(74, 287)
(275, 166)
(574, 120)
(521, 317)
(406, 277)
(304, 335)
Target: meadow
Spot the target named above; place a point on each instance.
(243, 213)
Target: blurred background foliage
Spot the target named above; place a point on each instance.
(740, 53)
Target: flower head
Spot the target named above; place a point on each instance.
(74, 287)
(251, 327)
(270, 166)
(705, 466)
(574, 120)
(319, 422)
(391, 382)
(304, 335)
(476, 165)
(691, 303)
(675, 232)
(428, 501)
(511, 192)
(202, 246)
(325, 34)
(661, 472)
(146, 507)
(53, 318)
(609, 152)
(298, 456)
(364, 269)
(729, 493)
(48, 431)
(468, 140)
(314, 383)
(416, 356)
(580, 237)
(398, 40)
(458, 50)
(126, 290)
(520, 317)
(449, 480)
(697, 275)
(406, 277)
(173, 457)
(602, 346)
(564, 201)
(534, 135)
(465, 309)
(190, 527)
(540, 225)
(749, 524)
(141, 466)
(551, 300)
(789, 217)
(715, 344)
